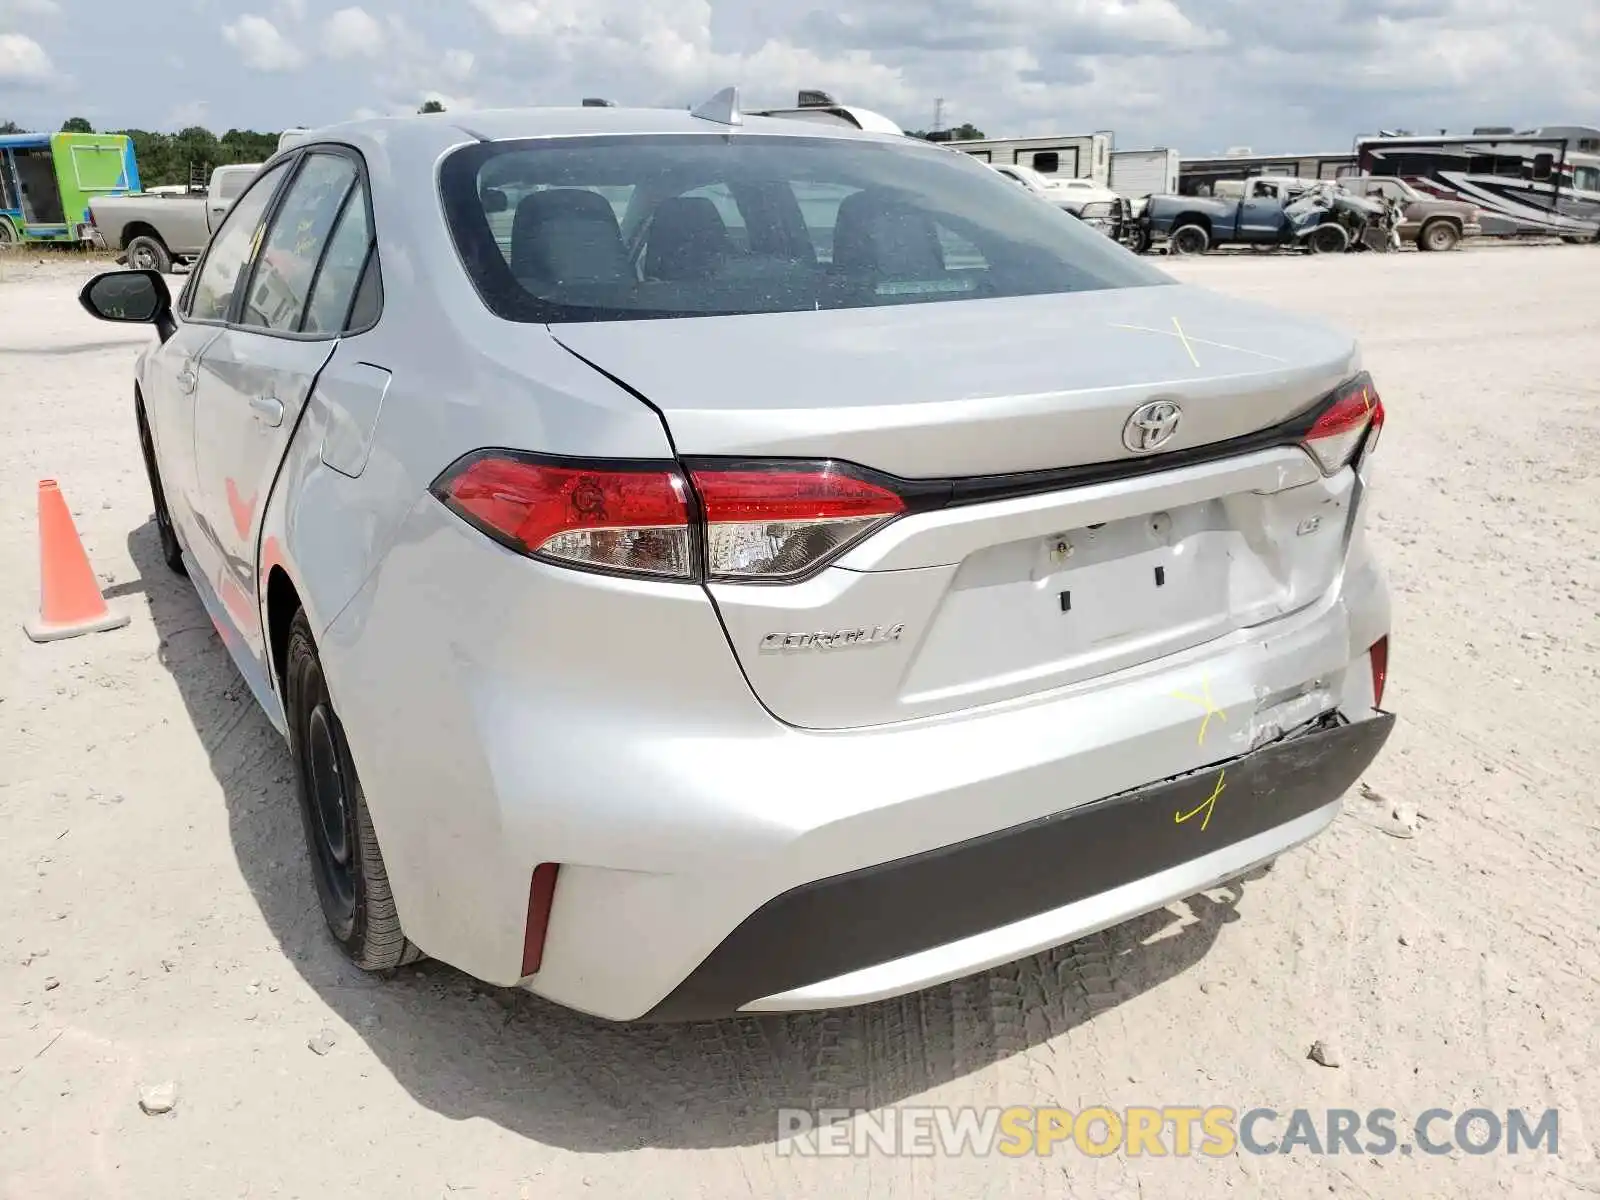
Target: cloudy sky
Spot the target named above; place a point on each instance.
(1199, 75)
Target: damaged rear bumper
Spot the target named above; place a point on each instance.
(856, 936)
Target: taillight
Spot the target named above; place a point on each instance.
(1354, 411)
(608, 517)
(758, 522)
(778, 521)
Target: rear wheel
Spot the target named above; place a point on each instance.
(1190, 239)
(171, 551)
(1438, 235)
(148, 254)
(8, 235)
(346, 863)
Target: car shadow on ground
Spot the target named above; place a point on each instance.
(466, 1049)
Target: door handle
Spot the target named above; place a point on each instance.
(187, 378)
(268, 408)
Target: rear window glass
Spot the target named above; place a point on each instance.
(611, 228)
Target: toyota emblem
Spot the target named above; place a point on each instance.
(1151, 426)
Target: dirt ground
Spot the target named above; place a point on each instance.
(158, 923)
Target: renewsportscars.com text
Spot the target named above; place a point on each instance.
(1167, 1131)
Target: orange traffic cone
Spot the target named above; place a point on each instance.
(70, 602)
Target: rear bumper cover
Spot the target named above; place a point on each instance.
(833, 927)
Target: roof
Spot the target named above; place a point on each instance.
(20, 141)
(442, 129)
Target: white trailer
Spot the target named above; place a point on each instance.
(1081, 156)
(1138, 173)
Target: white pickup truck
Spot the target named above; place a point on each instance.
(157, 231)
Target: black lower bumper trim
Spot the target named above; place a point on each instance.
(833, 926)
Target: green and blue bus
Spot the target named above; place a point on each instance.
(48, 179)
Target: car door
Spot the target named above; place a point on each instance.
(259, 373)
(1261, 212)
(173, 380)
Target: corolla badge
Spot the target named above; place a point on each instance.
(1151, 426)
(838, 639)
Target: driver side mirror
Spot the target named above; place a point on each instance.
(130, 297)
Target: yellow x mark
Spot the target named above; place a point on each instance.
(1204, 701)
(1208, 807)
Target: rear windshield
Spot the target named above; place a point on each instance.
(611, 228)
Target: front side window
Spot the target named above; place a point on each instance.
(616, 228)
(211, 298)
(293, 247)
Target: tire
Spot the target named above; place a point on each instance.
(1328, 239)
(1438, 235)
(1189, 239)
(148, 254)
(8, 235)
(171, 550)
(1139, 242)
(346, 864)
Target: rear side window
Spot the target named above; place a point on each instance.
(613, 228)
(294, 245)
(340, 273)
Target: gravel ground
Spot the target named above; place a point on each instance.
(158, 924)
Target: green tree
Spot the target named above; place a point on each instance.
(11, 127)
(431, 106)
(77, 125)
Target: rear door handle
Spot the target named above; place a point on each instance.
(268, 408)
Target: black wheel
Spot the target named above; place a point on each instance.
(7, 233)
(1328, 239)
(346, 863)
(171, 551)
(1438, 235)
(1190, 239)
(148, 254)
(1139, 241)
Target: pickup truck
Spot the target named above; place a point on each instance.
(157, 231)
(1195, 224)
(1431, 223)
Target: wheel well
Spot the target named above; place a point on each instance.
(283, 601)
(1192, 219)
(1443, 219)
(141, 229)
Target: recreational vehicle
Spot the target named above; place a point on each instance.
(1084, 156)
(1136, 173)
(1200, 176)
(1537, 183)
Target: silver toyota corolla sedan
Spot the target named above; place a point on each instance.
(710, 564)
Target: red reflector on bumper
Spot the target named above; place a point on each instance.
(541, 892)
(1380, 669)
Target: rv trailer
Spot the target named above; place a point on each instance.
(1137, 173)
(1200, 176)
(1081, 156)
(1523, 184)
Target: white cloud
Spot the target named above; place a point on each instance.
(261, 46)
(18, 9)
(23, 60)
(353, 33)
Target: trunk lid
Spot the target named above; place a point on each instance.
(975, 387)
(995, 599)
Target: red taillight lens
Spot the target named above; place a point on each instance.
(609, 518)
(1338, 431)
(1380, 669)
(776, 522)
